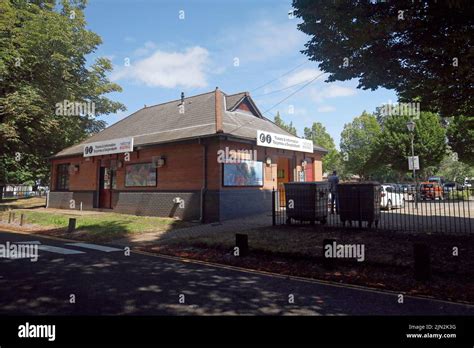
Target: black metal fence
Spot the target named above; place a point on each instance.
(425, 209)
(17, 194)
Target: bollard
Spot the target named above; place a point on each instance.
(242, 242)
(328, 262)
(13, 217)
(22, 219)
(72, 225)
(422, 266)
(10, 217)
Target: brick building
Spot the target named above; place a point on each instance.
(196, 158)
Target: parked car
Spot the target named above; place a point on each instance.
(396, 187)
(405, 187)
(431, 190)
(452, 186)
(468, 182)
(437, 179)
(391, 197)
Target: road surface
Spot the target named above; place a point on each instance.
(78, 279)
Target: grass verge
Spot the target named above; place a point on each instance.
(97, 227)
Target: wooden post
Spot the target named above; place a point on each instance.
(422, 264)
(22, 219)
(72, 225)
(328, 262)
(10, 217)
(242, 242)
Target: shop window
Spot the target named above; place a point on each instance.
(245, 173)
(140, 175)
(62, 181)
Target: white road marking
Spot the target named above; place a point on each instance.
(94, 247)
(53, 249)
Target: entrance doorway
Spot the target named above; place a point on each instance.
(283, 175)
(106, 184)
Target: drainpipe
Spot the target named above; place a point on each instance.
(204, 179)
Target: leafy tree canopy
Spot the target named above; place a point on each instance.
(421, 49)
(43, 62)
(461, 137)
(358, 142)
(288, 127)
(318, 134)
(394, 144)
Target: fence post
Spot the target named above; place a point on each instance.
(22, 218)
(328, 262)
(72, 225)
(242, 242)
(273, 208)
(421, 253)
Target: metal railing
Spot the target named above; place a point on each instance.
(22, 194)
(424, 210)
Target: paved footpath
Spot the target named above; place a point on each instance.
(103, 280)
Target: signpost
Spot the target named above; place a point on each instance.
(281, 141)
(108, 147)
(413, 163)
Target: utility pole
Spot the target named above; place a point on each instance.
(411, 129)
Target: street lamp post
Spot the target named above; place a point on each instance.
(411, 129)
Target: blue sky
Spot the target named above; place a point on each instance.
(237, 45)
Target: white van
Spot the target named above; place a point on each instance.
(390, 198)
(468, 182)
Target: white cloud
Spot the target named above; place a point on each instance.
(300, 76)
(326, 108)
(331, 91)
(168, 69)
(129, 39)
(147, 48)
(263, 40)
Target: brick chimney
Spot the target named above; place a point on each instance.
(218, 97)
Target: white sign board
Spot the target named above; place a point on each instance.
(413, 161)
(281, 141)
(108, 147)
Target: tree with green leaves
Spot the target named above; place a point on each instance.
(43, 63)
(319, 136)
(288, 127)
(394, 144)
(358, 142)
(461, 137)
(421, 49)
(453, 170)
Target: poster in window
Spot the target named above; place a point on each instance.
(245, 173)
(142, 174)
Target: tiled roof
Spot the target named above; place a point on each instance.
(164, 123)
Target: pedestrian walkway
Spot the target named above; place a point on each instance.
(234, 225)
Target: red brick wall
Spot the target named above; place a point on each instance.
(183, 169)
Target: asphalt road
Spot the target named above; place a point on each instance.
(111, 283)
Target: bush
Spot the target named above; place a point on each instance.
(459, 195)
